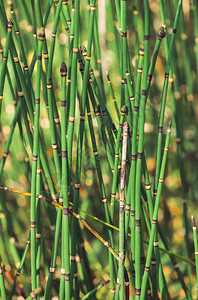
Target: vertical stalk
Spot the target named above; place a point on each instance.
(35, 158)
(139, 156)
(64, 183)
(155, 216)
(121, 213)
(196, 249)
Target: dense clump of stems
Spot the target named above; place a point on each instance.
(89, 148)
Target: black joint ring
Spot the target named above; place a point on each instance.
(66, 211)
(146, 37)
(123, 34)
(137, 222)
(64, 154)
(63, 103)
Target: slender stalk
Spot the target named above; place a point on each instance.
(122, 215)
(5, 58)
(64, 184)
(34, 164)
(2, 284)
(95, 290)
(155, 216)
(196, 249)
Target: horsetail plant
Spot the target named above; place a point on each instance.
(71, 149)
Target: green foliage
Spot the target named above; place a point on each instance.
(86, 175)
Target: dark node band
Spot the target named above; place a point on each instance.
(67, 277)
(104, 112)
(146, 268)
(146, 37)
(153, 261)
(154, 221)
(97, 112)
(154, 192)
(128, 206)
(166, 75)
(37, 101)
(149, 77)
(137, 292)
(35, 157)
(139, 156)
(174, 30)
(133, 156)
(161, 34)
(66, 211)
(64, 154)
(63, 103)
(39, 57)
(137, 222)
(144, 92)
(160, 129)
(124, 81)
(132, 213)
(33, 224)
(136, 108)
(123, 34)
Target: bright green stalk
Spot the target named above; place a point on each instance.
(95, 290)
(122, 215)
(34, 164)
(50, 95)
(20, 267)
(155, 216)
(196, 249)
(123, 49)
(80, 135)
(38, 223)
(139, 157)
(131, 189)
(102, 189)
(2, 284)
(164, 94)
(123, 112)
(5, 58)
(113, 96)
(64, 183)
(72, 98)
